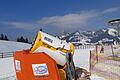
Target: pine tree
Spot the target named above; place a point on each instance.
(26, 40)
(22, 39)
(2, 37)
(18, 39)
(5, 38)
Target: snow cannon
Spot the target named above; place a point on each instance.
(48, 59)
(52, 46)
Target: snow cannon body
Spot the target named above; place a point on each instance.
(38, 66)
(52, 46)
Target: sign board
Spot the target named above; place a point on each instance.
(17, 65)
(40, 69)
(81, 58)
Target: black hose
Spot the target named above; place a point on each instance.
(70, 67)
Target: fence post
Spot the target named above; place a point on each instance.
(97, 53)
(90, 62)
(112, 51)
(2, 55)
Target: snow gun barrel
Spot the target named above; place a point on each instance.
(52, 46)
(51, 42)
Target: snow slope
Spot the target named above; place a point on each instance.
(6, 68)
(95, 77)
(6, 64)
(11, 46)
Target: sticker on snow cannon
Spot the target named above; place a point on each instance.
(17, 65)
(40, 69)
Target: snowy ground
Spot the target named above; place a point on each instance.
(82, 58)
(95, 77)
(10, 46)
(7, 71)
(109, 69)
(6, 68)
(6, 64)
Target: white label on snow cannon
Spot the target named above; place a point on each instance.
(48, 39)
(40, 69)
(17, 65)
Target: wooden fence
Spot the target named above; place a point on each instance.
(85, 46)
(6, 54)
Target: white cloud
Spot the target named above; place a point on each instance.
(22, 25)
(110, 10)
(65, 22)
(68, 21)
(71, 21)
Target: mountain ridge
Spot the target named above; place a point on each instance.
(102, 35)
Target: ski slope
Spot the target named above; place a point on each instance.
(6, 64)
(6, 68)
(11, 46)
(7, 71)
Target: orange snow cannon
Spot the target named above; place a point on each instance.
(38, 66)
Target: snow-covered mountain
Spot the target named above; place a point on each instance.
(108, 34)
(112, 32)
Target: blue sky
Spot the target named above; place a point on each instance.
(26, 17)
